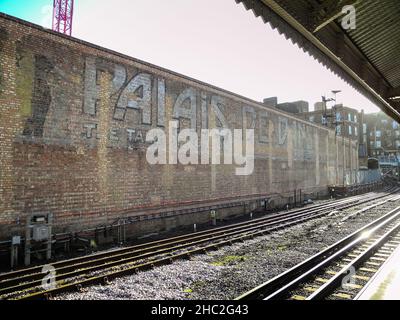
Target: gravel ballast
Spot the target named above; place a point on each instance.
(231, 271)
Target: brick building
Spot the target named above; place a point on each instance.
(346, 121)
(289, 107)
(383, 139)
(378, 135)
(74, 120)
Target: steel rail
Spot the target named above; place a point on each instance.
(335, 281)
(326, 262)
(284, 223)
(17, 284)
(118, 253)
(20, 273)
(279, 286)
(105, 278)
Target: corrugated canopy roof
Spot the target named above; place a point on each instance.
(368, 57)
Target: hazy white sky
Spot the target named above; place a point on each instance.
(216, 41)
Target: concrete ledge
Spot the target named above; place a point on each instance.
(385, 285)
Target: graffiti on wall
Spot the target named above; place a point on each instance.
(304, 148)
(141, 93)
(138, 103)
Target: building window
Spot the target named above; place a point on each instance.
(350, 130)
(338, 130)
(364, 128)
(349, 116)
(356, 131)
(378, 134)
(397, 144)
(338, 117)
(395, 125)
(378, 144)
(355, 118)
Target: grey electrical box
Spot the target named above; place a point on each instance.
(40, 233)
(39, 219)
(16, 240)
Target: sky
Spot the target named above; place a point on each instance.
(215, 41)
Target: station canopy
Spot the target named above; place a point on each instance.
(367, 57)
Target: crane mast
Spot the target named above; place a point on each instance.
(63, 12)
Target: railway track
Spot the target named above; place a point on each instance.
(76, 273)
(341, 271)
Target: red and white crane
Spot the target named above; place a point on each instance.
(63, 13)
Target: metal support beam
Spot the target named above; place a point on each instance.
(328, 11)
(363, 69)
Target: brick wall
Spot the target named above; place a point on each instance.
(74, 118)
